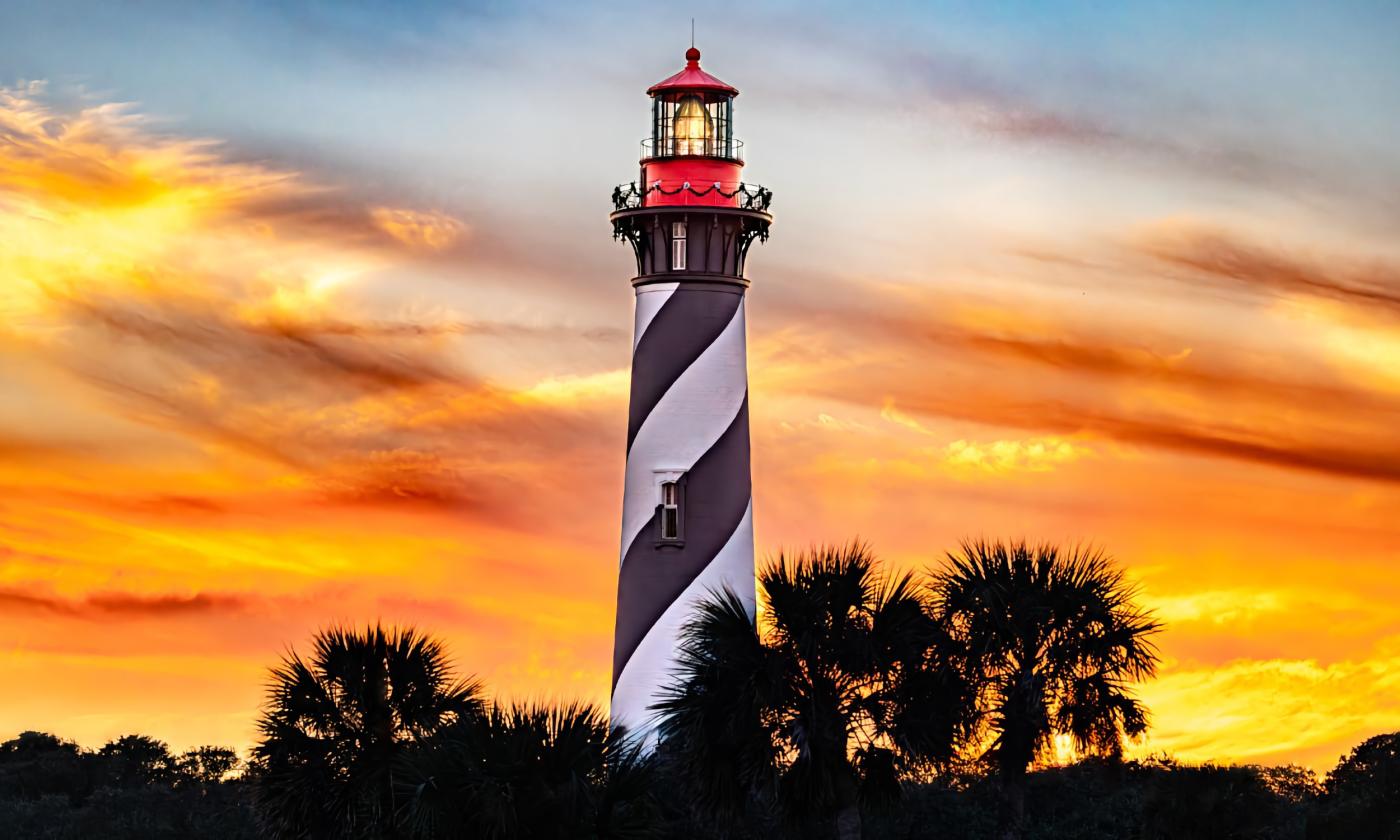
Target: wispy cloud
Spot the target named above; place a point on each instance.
(1096, 107)
(208, 299)
(1212, 255)
(1059, 376)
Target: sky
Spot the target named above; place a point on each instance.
(310, 313)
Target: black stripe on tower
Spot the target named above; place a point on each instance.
(688, 322)
(719, 485)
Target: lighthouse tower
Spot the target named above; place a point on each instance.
(687, 511)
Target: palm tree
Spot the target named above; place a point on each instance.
(1054, 643)
(335, 729)
(846, 688)
(531, 771)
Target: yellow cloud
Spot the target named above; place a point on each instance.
(420, 230)
(1220, 606)
(569, 390)
(1366, 349)
(94, 205)
(1261, 710)
(889, 412)
(1038, 454)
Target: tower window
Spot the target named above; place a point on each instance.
(678, 240)
(670, 510)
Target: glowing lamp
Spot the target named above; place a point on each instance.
(693, 129)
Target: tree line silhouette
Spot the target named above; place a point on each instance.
(862, 704)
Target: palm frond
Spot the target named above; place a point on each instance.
(849, 685)
(1054, 640)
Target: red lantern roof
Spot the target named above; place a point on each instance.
(692, 78)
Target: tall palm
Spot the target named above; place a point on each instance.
(531, 771)
(1055, 643)
(335, 728)
(845, 687)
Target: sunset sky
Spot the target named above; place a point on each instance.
(314, 315)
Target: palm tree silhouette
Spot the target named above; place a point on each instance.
(335, 730)
(847, 685)
(1054, 642)
(531, 770)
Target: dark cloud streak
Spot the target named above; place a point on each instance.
(1218, 256)
(120, 605)
(1204, 403)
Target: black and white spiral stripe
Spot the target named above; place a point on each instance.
(688, 413)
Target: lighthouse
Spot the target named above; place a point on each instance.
(687, 509)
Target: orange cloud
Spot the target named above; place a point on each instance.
(209, 299)
(1066, 379)
(416, 229)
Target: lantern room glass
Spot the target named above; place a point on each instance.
(686, 123)
(692, 130)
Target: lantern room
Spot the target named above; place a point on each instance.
(690, 217)
(692, 157)
(692, 114)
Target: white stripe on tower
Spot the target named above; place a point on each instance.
(650, 299)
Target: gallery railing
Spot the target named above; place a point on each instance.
(750, 196)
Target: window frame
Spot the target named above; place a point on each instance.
(670, 498)
(680, 239)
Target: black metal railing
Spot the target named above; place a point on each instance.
(720, 147)
(627, 197)
(750, 196)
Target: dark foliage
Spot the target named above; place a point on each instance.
(131, 788)
(531, 771)
(1100, 799)
(847, 688)
(206, 765)
(337, 729)
(1362, 796)
(374, 738)
(138, 760)
(1054, 642)
(52, 790)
